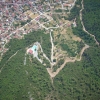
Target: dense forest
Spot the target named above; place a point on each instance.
(22, 82)
(36, 36)
(75, 12)
(80, 80)
(91, 17)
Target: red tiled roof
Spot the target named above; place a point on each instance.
(30, 51)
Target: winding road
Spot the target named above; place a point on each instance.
(50, 70)
(53, 74)
(84, 26)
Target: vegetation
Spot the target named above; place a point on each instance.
(78, 30)
(72, 51)
(91, 17)
(76, 81)
(75, 11)
(15, 45)
(61, 61)
(25, 22)
(80, 80)
(68, 49)
(19, 81)
(22, 23)
(58, 10)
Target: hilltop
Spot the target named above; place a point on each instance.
(47, 53)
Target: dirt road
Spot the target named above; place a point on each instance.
(53, 74)
(52, 48)
(84, 26)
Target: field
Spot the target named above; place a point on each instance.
(31, 14)
(50, 24)
(65, 40)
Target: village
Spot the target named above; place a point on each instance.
(20, 17)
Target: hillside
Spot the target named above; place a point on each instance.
(58, 61)
(91, 17)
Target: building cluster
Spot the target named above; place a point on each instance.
(19, 17)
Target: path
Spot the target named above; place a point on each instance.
(8, 60)
(52, 47)
(50, 70)
(13, 55)
(25, 59)
(44, 55)
(84, 26)
(53, 74)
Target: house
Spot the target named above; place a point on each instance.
(31, 51)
